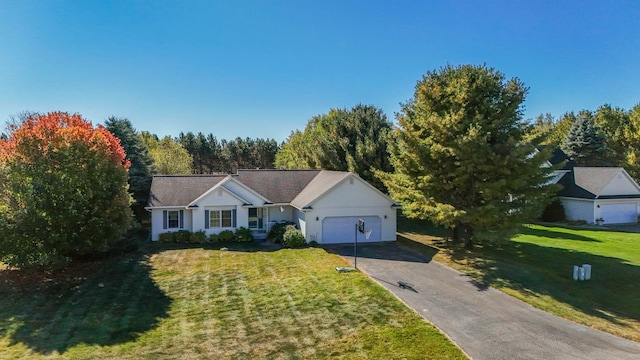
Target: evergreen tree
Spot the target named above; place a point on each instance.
(141, 170)
(459, 155)
(585, 143)
(345, 140)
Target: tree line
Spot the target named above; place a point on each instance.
(607, 136)
(461, 156)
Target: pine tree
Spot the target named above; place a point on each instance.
(585, 143)
(141, 170)
(459, 155)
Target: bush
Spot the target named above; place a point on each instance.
(554, 212)
(182, 236)
(226, 235)
(199, 237)
(243, 235)
(293, 238)
(166, 237)
(313, 243)
(213, 238)
(277, 232)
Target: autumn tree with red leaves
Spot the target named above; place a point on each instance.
(63, 190)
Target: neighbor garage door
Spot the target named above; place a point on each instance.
(619, 213)
(336, 230)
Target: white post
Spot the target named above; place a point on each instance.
(587, 271)
(575, 272)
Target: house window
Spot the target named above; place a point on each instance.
(221, 218)
(255, 218)
(172, 219)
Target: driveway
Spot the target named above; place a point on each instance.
(484, 322)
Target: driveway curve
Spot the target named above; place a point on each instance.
(485, 323)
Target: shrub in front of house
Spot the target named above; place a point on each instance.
(166, 237)
(293, 237)
(277, 232)
(213, 238)
(226, 235)
(199, 237)
(182, 236)
(243, 235)
(554, 212)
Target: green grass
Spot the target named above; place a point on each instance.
(166, 301)
(537, 267)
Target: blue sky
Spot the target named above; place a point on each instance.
(263, 68)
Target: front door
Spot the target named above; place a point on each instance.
(256, 218)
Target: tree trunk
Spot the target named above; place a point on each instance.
(467, 236)
(455, 234)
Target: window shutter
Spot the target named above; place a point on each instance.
(233, 217)
(206, 219)
(164, 219)
(181, 219)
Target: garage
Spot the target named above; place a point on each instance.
(337, 230)
(618, 213)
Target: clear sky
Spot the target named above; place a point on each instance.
(263, 68)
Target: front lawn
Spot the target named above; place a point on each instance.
(537, 267)
(170, 301)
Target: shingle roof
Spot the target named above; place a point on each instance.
(279, 186)
(296, 187)
(180, 190)
(323, 181)
(588, 182)
(558, 156)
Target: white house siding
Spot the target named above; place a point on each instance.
(352, 198)
(577, 209)
(275, 213)
(157, 221)
(218, 199)
(620, 185)
(244, 193)
(300, 219)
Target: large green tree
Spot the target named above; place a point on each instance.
(459, 155)
(630, 142)
(344, 139)
(169, 157)
(63, 190)
(141, 170)
(585, 143)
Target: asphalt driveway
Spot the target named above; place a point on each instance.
(484, 322)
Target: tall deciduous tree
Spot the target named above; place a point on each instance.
(141, 169)
(585, 143)
(630, 141)
(344, 139)
(169, 157)
(63, 188)
(459, 155)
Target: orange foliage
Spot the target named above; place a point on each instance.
(42, 134)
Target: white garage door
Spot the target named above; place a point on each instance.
(337, 230)
(619, 213)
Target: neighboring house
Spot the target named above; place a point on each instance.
(324, 205)
(594, 194)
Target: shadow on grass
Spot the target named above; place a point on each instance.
(104, 302)
(611, 294)
(527, 230)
